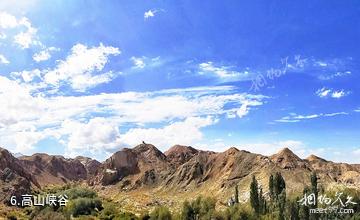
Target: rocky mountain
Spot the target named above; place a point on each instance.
(14, 178)
(48, 169)
(90, 165)
(182, 172)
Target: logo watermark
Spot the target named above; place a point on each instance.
(328, 205)
(261, 80)
(39, 200)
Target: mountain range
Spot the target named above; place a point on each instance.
(144, 176)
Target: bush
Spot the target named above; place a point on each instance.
(78, 192)
(109, 212)
(160, 213)
(84, 206)
(11, 216)
(48, 213)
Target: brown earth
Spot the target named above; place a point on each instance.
(143, 176)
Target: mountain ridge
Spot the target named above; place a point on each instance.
(180, 169)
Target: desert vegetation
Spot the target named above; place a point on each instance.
(271, 203)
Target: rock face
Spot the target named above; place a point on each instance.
(339, 172)
(142, 163)
(91, 165)
(14, 179)
(48, 169)
(179, 154)
(180, 169)
(184, 167)
(286, 159)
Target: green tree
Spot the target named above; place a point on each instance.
(281, 205)
(160, 213)
(187, 212)
(314, 185)
(279, 184)
(271, 187)
(254, 195)
(262, 202)
(315, 191)
(236, 194)
(294, 210)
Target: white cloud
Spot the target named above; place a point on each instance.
(321, 64)
(25, 140)
(28, 37)
(324, 92)
(44, 54)
(224, 73)
(144, 62)
(357, 152)
(78, 68)
(3, 59)
(335, 75)
(186, 132)
(98, 134)
(151, 13)
(25, 38)
(27, 75)
(138, 62)
(297, 118)
(7, 20)
(338, 94)
(189, 109)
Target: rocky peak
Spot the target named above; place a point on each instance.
(179, 154)
(286, 159)
(52, 169)
(148, 151)
(90, 164)
(232, 151)
(313, 158)
(14, 179)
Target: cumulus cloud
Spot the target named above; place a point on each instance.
(96, 135)
(336, 94)
(27, 36)
(27, 75)
(78, 68)
(3, 59)
(186, 132)
(44, 54)
(7, 20)
(172, 111)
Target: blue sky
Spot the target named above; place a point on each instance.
(89, 77)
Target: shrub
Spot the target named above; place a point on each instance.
(84, 206)
(160, 213)
(48, 213)
(78, 192)
(109, 212)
